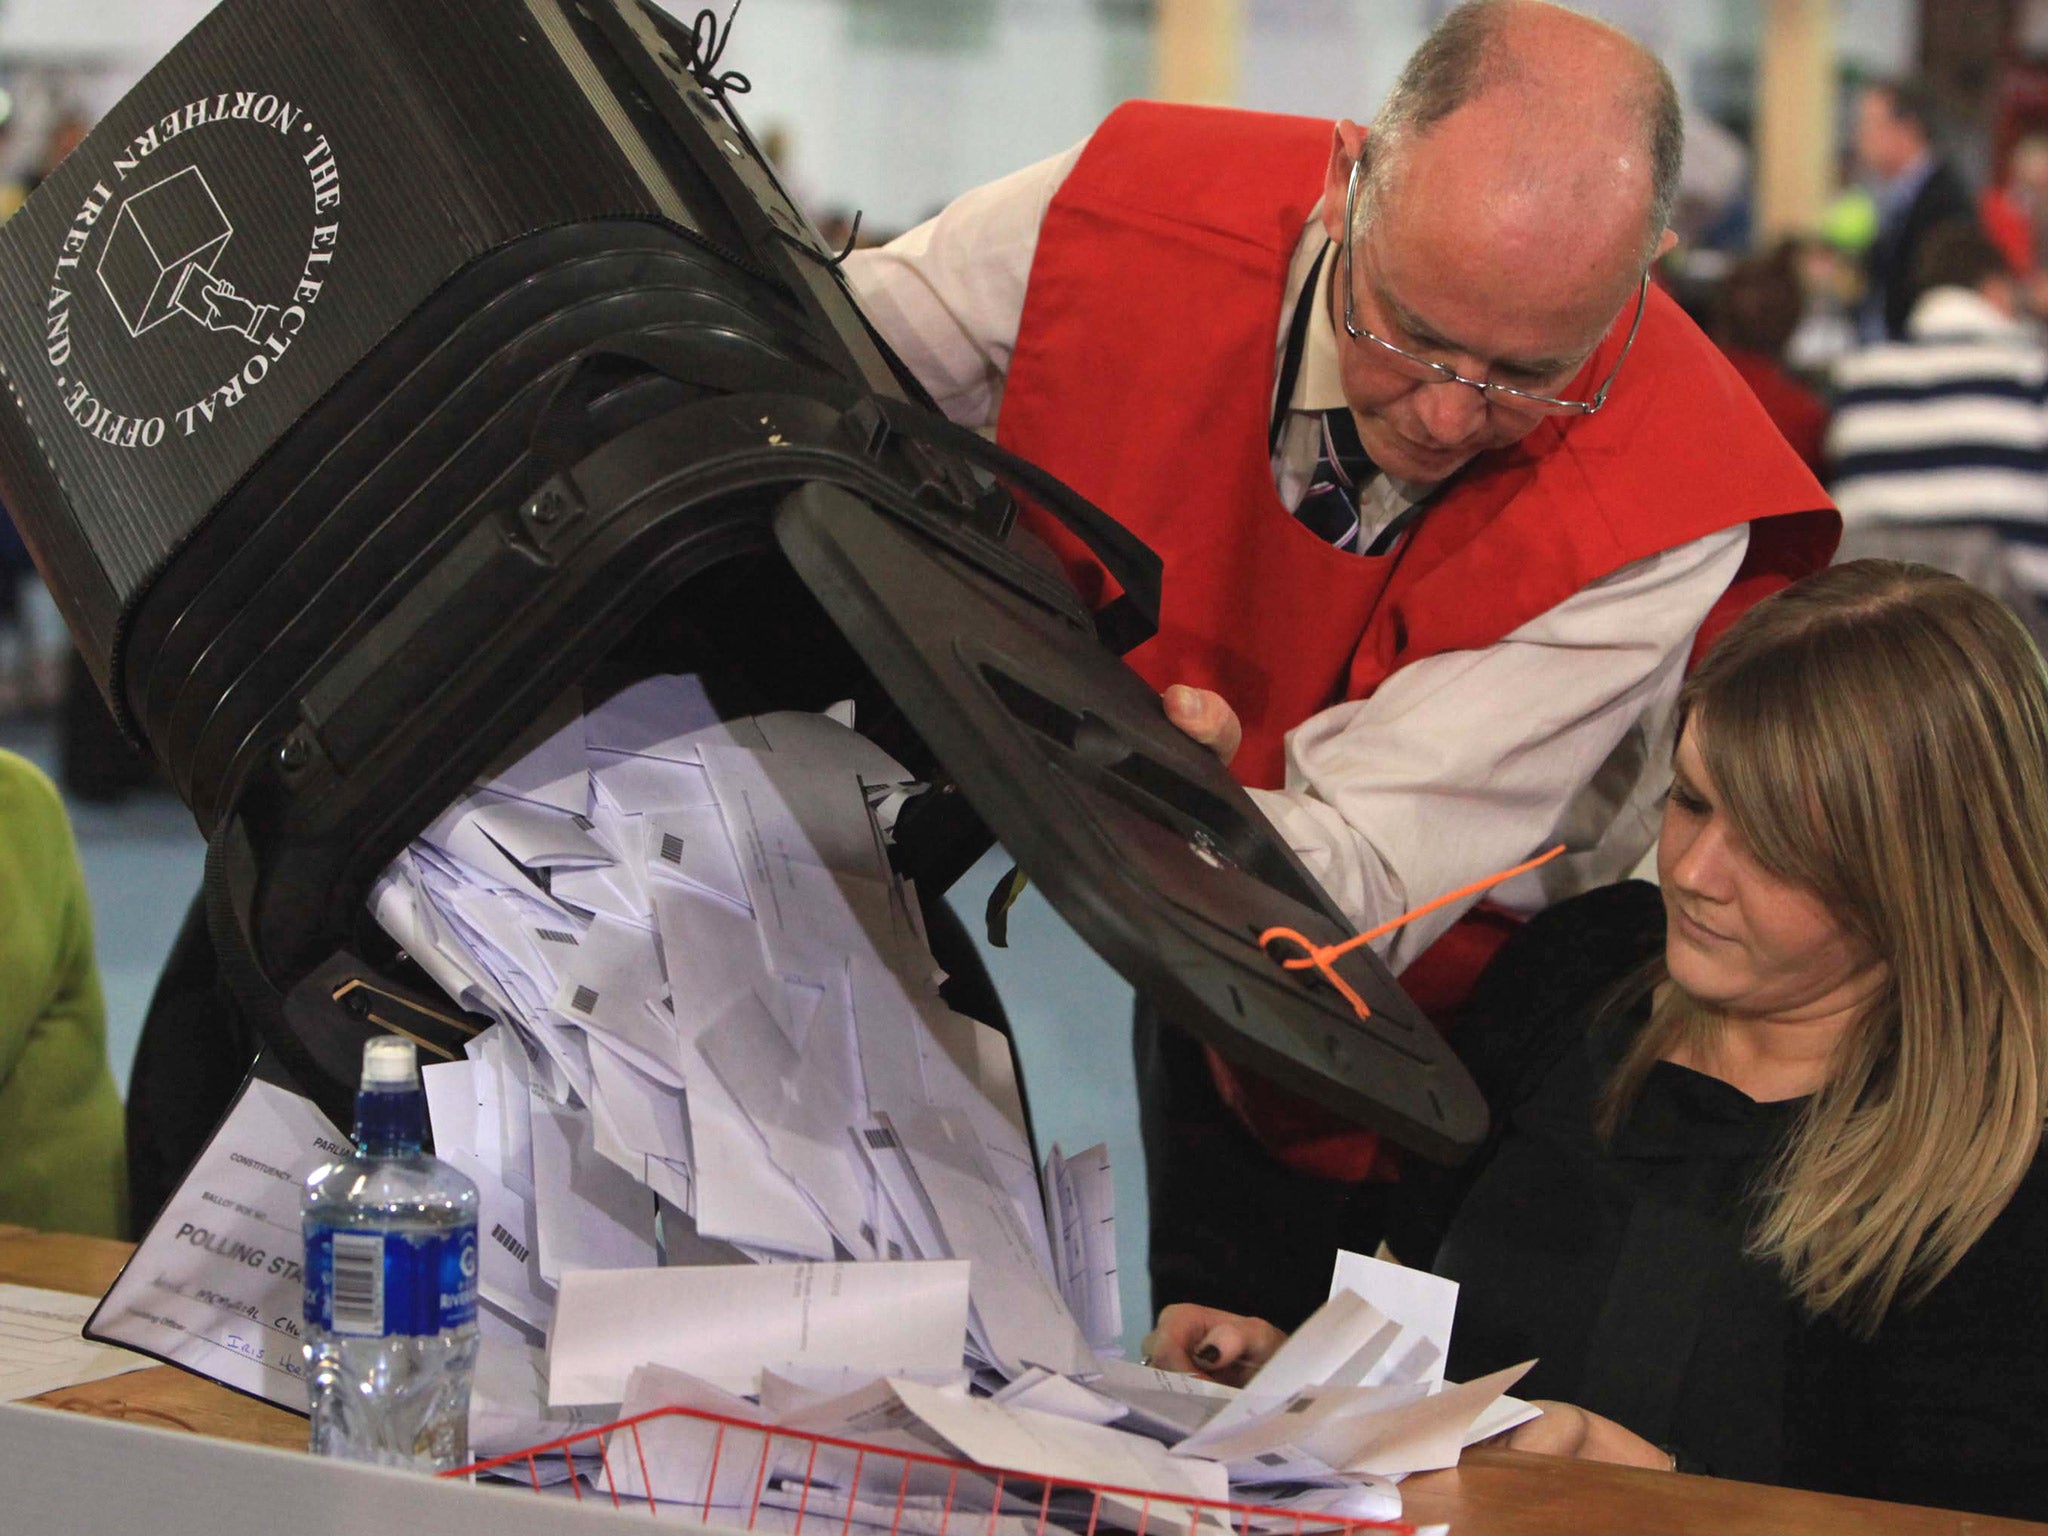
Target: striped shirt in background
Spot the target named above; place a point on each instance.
(1940, 442)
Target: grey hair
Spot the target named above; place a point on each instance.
(1462, 58)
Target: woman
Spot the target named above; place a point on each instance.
(61, 1160)
(1763, 1195)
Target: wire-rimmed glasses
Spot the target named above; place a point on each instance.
(1423, 371)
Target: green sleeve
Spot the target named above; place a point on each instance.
(62, 1159)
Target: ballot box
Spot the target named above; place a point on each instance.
(379, 370)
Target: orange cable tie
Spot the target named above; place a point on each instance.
(1323, 957)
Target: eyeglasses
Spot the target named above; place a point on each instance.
(1423, 371)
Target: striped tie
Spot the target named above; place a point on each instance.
(1329, 508)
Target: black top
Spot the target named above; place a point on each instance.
(1620, 1268)
(1890, 262)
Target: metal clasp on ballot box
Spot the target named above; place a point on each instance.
(709, 1468)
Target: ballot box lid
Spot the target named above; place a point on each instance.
(374, 368)
(1137, 835)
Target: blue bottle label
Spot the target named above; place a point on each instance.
(365, 1283)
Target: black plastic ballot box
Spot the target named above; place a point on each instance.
(379, 369)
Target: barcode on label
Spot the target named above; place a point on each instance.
(584, 1000)
(671, 847)
(881, 1138)
(1271, 1459)
(582, 821)
(509, 1243)
(555, 936)
(359, 1283)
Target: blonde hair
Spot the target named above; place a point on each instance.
(1878, 735)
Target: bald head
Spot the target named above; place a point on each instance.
(1549, 124)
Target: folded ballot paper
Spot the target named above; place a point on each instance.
(1354, 1401)
(734, 1153)
(720, 1042)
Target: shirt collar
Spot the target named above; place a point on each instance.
(1320, 384)
(1895, 196)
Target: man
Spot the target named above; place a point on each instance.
(1914, 190)
(1360, 405)
(1940, 442)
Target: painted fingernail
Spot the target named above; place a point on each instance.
(1209, 1354)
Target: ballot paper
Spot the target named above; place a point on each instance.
(216, 1285)
(725, 1323)
(40, 1346)
(1414, 1298)
(718, 1012)
(1351, 1392)
(508, 1408)
(1080, 1203)
(739, 1158)
(1428, 1304)
(1021, 1439)
(1166, 1405)
(508, 1273)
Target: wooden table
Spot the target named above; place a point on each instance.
(162, 1396)
(1490, 1493)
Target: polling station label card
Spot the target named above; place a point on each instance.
(216, 1286)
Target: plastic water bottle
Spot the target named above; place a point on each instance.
(391, 1263)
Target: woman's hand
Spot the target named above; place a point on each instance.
(1568, 1430)
(1205, 717)
(1202, 1341)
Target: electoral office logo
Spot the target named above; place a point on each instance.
(204, 241)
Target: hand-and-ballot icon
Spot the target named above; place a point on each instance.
(163, 259)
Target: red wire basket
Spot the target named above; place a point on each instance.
(924, 1490)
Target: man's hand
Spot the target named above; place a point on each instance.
(1568, 1430)
(1205, 717)
(1202, 1341)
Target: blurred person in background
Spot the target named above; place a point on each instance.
(1939, 445)
(2012, 211)
(2015, 216)
(1915, 190)
(66, 134)
(20, 688)
(1444, 490)
(1751, 317)
(1831, 278)
(61, 1152)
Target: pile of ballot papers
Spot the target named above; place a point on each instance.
(720, 1045)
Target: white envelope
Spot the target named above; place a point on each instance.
(546, 763)
(689, 842)
(742, 1197)
(606, 983)
(721, 1323)
(589, 1215)
(655, 716)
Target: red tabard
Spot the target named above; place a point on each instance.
(1143, 376)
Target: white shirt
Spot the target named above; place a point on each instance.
(1460, 764)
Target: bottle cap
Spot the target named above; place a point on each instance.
(390, 1061)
